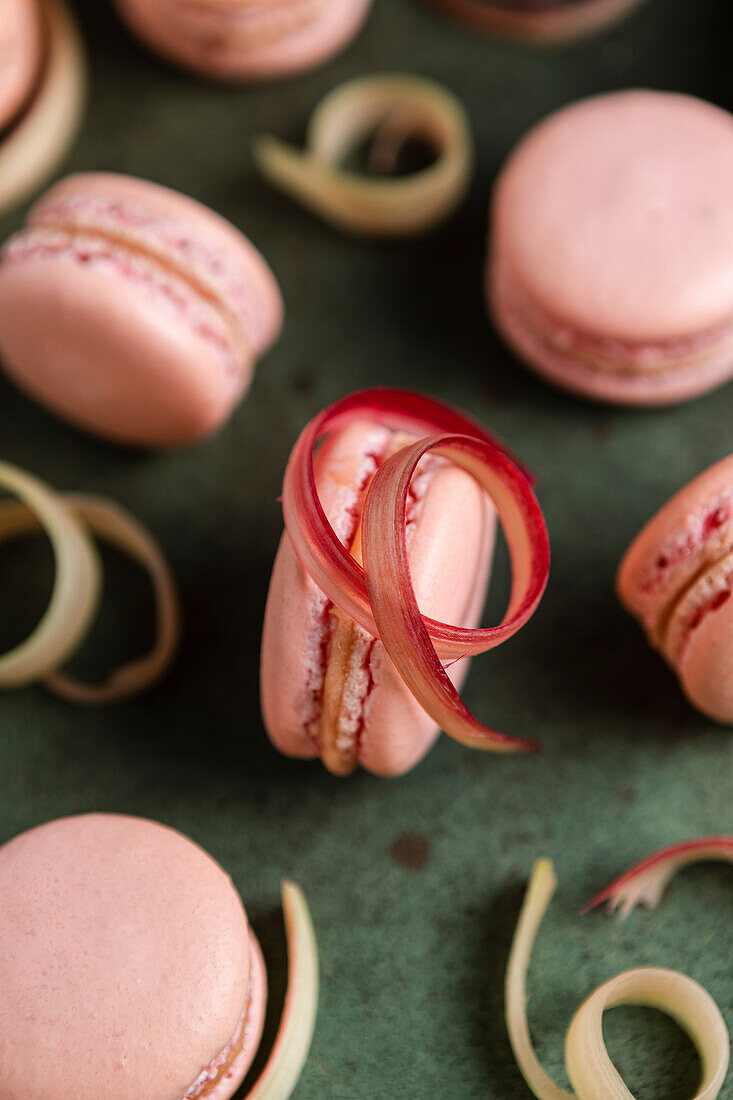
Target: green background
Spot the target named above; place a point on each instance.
(413, 932)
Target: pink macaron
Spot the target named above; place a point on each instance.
(134, 312)
(21, 57)
(611, 255)
(676, 578)
(243, 40)
(127, 966)
(539, 21)
(328, 688)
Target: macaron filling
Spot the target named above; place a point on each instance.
(690, 554)
(342, 677)
(603, 354)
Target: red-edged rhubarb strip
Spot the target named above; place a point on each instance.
(288, 1055)
(646, 881)
(379, 596)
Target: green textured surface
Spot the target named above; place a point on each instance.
(412, 959)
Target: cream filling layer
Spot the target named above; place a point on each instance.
(607, 354)
(202, 312)
(339, 701)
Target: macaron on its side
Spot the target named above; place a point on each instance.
(245, 41)
(328, 688)
(611, 254)
(126, 965)
(21, 57)
(544, 23)
(133, 311)
(676, 578)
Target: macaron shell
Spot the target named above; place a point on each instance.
(138, 354)
(291, 665)
(253, 1027)
(217, 59)
(193, 220)
(124, 961)
(688, 533)
(615, 215)
(450, 551)
(97, 349)
(706, 667)
(21, 56)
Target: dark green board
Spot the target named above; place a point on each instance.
(412, 955)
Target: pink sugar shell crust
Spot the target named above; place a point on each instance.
(450, 541)
(21, 56)
(676, 578)
(540, 24)
(126, 964)
(245, 40)
(611, 255)
(133, 311)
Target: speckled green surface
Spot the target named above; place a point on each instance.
(412, 958)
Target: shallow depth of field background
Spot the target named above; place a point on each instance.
(415, 884)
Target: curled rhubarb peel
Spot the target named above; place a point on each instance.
(646, 882)
(400, 107)
(379, 596)
(592, 1074)
(76, 587)
(289, 1053)
(112, 523)
(79, 578)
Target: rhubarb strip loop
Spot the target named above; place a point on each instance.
(69, 521)
(32, 149)
(289, 1053)
(76, 587)
(398, 107)
(380, 596)
(592, 1074)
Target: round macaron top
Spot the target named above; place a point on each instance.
(21, 55)
(615, 216)
(124, 961)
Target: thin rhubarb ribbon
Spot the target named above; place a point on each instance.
(646, 881)
(289, 1053)
(592, 1074)
(69, 521)
(405, 106)
(380, 596)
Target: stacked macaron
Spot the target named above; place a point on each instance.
(133, 311)
(611, 262)
(245, 39)
(676, 578)
(329, 689)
